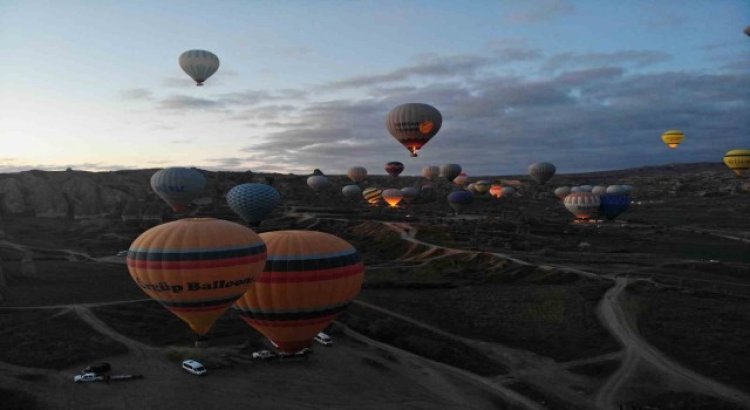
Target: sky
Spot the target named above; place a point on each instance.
(586, 85)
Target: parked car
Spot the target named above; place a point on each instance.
(87, 377)
(263, 355)
(302, 354)
(191, 366)
(323, 339)
(97, 368)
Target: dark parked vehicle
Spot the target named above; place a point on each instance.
(97, 368)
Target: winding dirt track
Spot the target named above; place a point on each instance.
(638, 350)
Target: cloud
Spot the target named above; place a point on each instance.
(185, 102)
(581, 120)
(637, 58)
(137, 94)
(540, 10)
(429, 66)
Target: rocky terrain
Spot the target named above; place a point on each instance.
(508, 305)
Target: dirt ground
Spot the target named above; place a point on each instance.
(508, 305)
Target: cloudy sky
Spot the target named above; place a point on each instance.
(586, 85)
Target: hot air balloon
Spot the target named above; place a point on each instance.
(472, 187)
(199, 64)
(394, 168)
(482, 186)
(372, 195)
(461, 179)
(576, 189)
(541, 172)
(738, 160)
(252, 202)
(562, 192)
(508, 191)
(196, 267)
(357, 174)
(318, 182)
(496, 191)
(628, 189)
(178, 186)
(310, 277)
(393, 196)
(353, 192)
(414, 124)
(612, 205)
(410, 193)
(584, 205)
(450, 171)
(586, 188)
(458, 200)
(599, 190)
(673, 138)
(317, 172)
(747, 30)
(430, 172)
(617, 190)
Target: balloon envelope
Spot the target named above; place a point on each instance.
(496, 191)
(673, 138)
(357, 174)
(394, 168)
(318, 182)
(196, 267)
(482, 186)
(541, 172)
(612, 205)
(413, 125)
(461, 179)
(430, 172)
(738, 160)
(393, 196)
(178, 186)
(599, 190)
(458, 200)
(199, 64)
(353, 192)
(562, 192)
(584, 205)
(372, 195)
(617, 190)
(310, 277)
(450, 171)
(252, 202)
(410, 193)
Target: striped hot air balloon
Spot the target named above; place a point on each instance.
(673, 138)
(252, 202)
(584, 205)
(541, 172)
(196, 267)
(394, 168)
(372, 195)
(310, 277)
(178, 186)
(357, 174)
(199, 64)
(413, 125)
(738, 160)
(430, 172)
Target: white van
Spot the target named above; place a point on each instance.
(323, 339)
(191, 366)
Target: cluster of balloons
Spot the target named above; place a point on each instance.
(588, 202)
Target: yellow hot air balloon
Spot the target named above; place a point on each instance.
(738, 160)
(673, 138)
(310, 278)
(196, 267)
